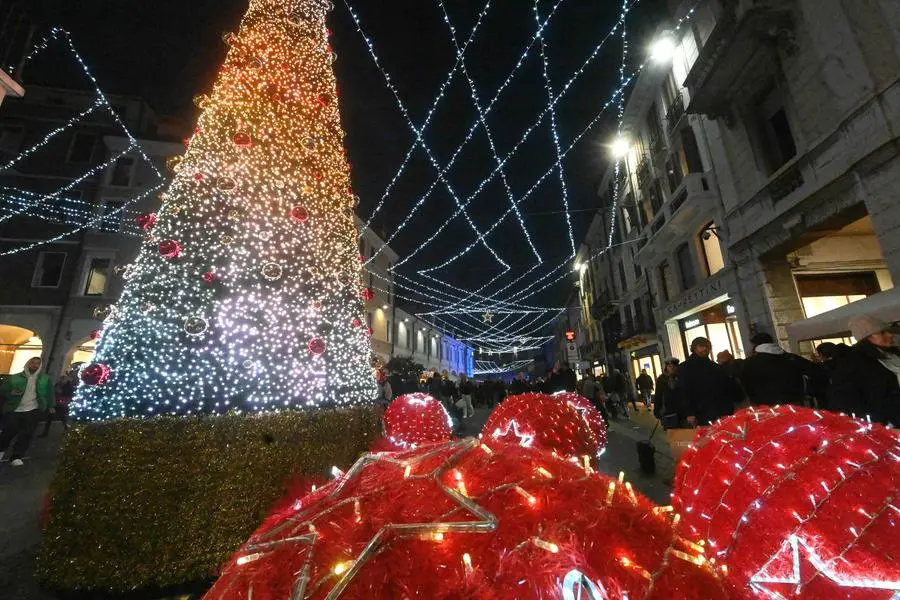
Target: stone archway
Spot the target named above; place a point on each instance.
(17, 345)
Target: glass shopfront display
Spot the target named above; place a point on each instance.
(649, 360)
(719, 325)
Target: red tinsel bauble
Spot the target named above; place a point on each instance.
(356, 323)
(299, 214)
(95, 334)
(316, 346)
(591, 416)
(370, 331)
(416, 419)
(549, 422)
(460, 521)
(95, 374)
(169, 249)
(367, 294)
(209, 278)
(242, 139)
(795, 503)
(146, 221)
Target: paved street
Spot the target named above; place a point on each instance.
(22, 493)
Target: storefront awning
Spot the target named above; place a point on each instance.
(834, 323)
(637, 341)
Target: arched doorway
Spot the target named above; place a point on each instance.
(17, 346)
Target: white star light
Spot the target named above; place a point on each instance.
(487, 316)
(525, 439)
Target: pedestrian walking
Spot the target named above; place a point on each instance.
(705, 392)
(466, 389)
(519, 385)
(615, 387)
(772, 376)
(665, 405)
(645, 388)
(866, 380)
(63, 392)
(25, 396)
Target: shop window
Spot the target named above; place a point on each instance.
(716, 325)
(97, 277)
(712, 249)
(49, 270)
(686, 267)
(81, 150)
(822, 293)
(123, 171)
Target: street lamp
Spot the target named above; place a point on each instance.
(663, 49)
(620, 148)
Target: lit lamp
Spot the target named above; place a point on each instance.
(663, 49)
(620, 148)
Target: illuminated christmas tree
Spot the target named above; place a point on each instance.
(247, 294)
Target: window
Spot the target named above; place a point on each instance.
(97, 276)
(674, 174)
(369, 320)
(779, 132)
(81, 149)
(122, 171)
(636, 265)
(686, 267)
(821, 293)
(112, 216)
(11, 138)
(639, 315)
(712, 250)
(409, 338)
(775, 138)
(667, 280)
(622, 276)
(689, 155)
(49, 269)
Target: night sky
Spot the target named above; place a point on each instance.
(169, 50)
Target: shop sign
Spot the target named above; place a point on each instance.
(691, 323)
(730, 309)
(693, 297)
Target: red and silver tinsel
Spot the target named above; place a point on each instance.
(415, 419)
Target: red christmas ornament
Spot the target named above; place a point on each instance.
(316, 346)
(356, 323)
(367, 294)
(169, 249)
(95, 374)
(242, 139)
(299, 214)
(209, 278)
(796, 502)
(551, 423)
(415, 419)
(370, 331)
(588, 413)
(199, 177)
(324, 100)
(457, 521)
(95, 334)
(146, 221)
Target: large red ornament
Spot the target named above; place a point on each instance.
(316, 346)
(95, 374)
(416, 419)
(367, 294)
(146, 221)
(796, 503)
(242, 139)
(299, 214)
(95, 334)
(209, 278)
(549, 422)
(169, 249)
(460, 521)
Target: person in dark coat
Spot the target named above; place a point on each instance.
(644, 385)
(772, 376)
(705, 392)
(665, 405)
(866, 381)
(519, 385)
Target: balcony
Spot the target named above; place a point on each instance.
(602, 305)
(692, 204)
(643, 172)
(675, 111)
(742, 45)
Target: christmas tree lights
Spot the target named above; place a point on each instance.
(244, 294)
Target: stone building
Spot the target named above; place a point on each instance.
(759, 181)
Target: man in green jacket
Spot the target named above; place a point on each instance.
(26, 396)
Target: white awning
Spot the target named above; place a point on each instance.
(834, 323)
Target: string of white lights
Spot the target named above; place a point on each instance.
(485, 367)
(512, 153)
(418, 135)
(50, 135)
(554, 130)
(616, 192)
(428, 115)
(469, 135)
(70, 211)
(490, 137)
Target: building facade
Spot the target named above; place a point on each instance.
(758, 182)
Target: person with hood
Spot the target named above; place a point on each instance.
(772, 376)
(644, 384)
(26, 396)
(866, 382)
(705, 392)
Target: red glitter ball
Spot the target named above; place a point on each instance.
(209, 277)
(356, 323)
(299, 214)
(169, 249)
(242, 139)
(367, 294)
(316, 346)
(415, 419)
(370, 331)
(95, 334)
(199, 177)
(95, 374)
(146, 221)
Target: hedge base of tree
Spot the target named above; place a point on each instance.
(156, 503)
